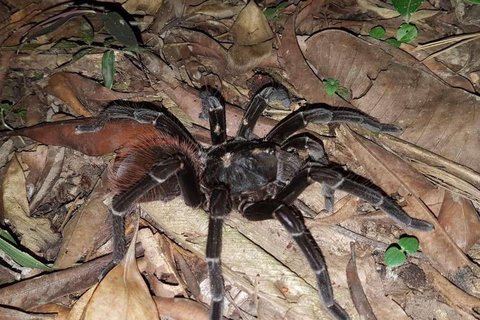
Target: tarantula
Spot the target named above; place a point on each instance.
(261, 178)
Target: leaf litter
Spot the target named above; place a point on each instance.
(431, 168)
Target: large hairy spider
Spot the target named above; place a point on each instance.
(261, 178)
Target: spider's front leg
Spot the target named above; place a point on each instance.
(295, 227)
(334, 180)
(178, 165)
(323, 114)
(220, 207)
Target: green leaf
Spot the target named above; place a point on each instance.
(7, 236)
(409, 244)
(21, 113)
(407, 33)
(394, 257)
(331, 86)
(472, 1)
(108, 68)
(86, 31)
(393, 42)
(283, 5)
(20, 257)
(65, 44)
(269, 12)
(406, 7)
(6, 106)
(80, 54)
(119, 28)
(377, 32)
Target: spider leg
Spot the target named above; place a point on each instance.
(253, 112)
(216, 115)
(296, 229)
(157, 118)
(323, 114)
(122, 203)
(306, 141)
(220, 206)
(335, 180)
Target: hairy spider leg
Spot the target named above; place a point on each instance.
(253, 113)
(323, 114)
(295, 227)
(122, 203)
(159, 119)
(336, 180)
(220, 207)
(218, 122)
(310, 143)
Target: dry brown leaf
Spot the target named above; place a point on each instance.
(122, 294)
(46, 288)
(35, 233)
(60, 311)
(455, 296)
(356, 290)
(217, 8)
(390, 85)
(394, 175)
(49, 175)
(460, 220)
(77, 310)
(383, 307)
(252, 39)
(149, 7)
(74, 89)
(181, 309)
(298, 73)
(10, 314)
(35, 162)
(79, 237)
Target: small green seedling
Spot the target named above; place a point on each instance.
(274, 13)
(6, 108)
(396, 254)
(333, 86)
(407, 32)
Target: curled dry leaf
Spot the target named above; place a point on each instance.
(394, 175)
(122, 294)
(74, 89)
(356, 291)
(35, 233)
(181, 309)
(79, 237)
(252, 38)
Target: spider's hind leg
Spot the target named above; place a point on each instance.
(336, 180)
(295, 227)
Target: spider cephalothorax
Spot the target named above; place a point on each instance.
(260, 177)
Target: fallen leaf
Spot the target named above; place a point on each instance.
(356, 290)
(35, 233)
(10, 313)
(111, 135)
(460, 220)
(122, 294)
(252, 39)
(394, 175)
(79, 237)
(181, 309)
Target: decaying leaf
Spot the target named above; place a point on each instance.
(35, 233)
(181, 309)
(82, 231)
(122, 294)
(355, 286)
(460, 220)
(252, 39)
